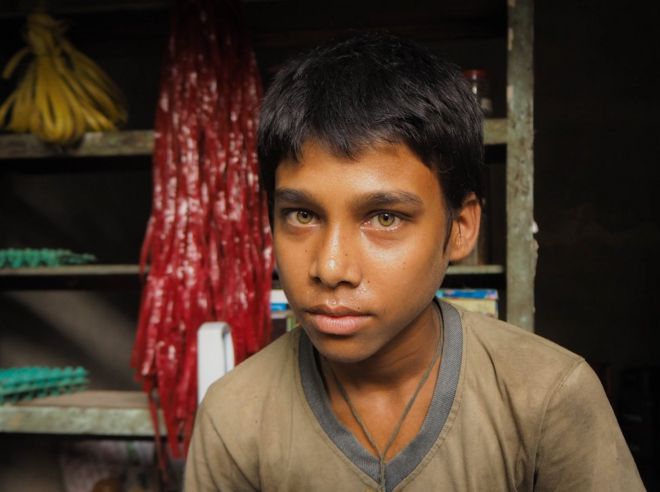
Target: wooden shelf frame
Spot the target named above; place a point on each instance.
(89, 413)
(521, 247)
(126, 277)
(126, 414)
(475, 270)
(67, 7)
(71, 271)
(141, 143)
(97, 144)
(106, 270)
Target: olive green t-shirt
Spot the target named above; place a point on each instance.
(510, 411)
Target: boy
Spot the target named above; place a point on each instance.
(370, 152)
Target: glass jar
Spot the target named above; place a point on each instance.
(478, 79)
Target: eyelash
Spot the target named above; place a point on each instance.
(398, 218)
(285, 213)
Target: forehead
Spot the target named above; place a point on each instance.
(378, 168)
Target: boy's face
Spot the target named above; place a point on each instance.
(359, 246)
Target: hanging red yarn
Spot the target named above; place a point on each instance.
(207, 243)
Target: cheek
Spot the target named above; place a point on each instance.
(283, 254)
(410, 260)
(281, 258)
(292, 260)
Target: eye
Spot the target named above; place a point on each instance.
(304, 217)
(384, 220)
(299, 216)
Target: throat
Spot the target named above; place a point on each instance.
(384, 409)
(397, 365)
(384, 422)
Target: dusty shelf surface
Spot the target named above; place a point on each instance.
(101, 144)
(102, 413)
(495, 131)
(74, 270)
(141, 142)
(475, 270)
(81, 270)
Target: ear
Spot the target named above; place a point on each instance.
(464, 229)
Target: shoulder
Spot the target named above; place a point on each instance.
(516, 353)
(248, 386)
(502, 359)
(558, 402)
(501, 336)
(237, 411)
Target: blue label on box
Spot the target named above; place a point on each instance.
(467, 294)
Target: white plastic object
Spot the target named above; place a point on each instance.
(277, 297)
(215, 354)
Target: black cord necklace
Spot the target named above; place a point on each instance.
(397, 428)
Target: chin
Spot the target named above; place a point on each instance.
(342, 350)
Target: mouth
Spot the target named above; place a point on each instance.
(336, 320)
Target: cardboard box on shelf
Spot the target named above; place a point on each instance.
(484, 301)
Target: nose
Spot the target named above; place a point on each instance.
(335, 259)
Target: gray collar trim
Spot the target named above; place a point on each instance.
(443, 397)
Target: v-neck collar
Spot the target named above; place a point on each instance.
(399, 467)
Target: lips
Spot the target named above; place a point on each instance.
(337, 320)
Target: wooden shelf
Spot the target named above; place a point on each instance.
(127, 276)
(495, 131)
(71, 277)
(71, 271)
(99, 413)
(101, 144)
(299, 18)
(141, 142)
(475, 270)
(103, 270)
(60, 7)
(474, 276)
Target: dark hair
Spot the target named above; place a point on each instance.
(374, 88)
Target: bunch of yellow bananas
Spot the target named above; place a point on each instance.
(63, 93)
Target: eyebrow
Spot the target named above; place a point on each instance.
(293, 196)
(389, 198)
(373, 199)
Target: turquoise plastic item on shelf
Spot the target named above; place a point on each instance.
(25, 383)
(28, 257)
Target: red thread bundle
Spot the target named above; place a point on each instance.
(208, 243)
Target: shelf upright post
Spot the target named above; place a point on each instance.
(521, 248)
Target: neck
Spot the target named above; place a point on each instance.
(402, 360)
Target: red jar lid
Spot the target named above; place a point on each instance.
(474, 74)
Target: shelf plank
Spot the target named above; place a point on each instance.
(475, 270)
(104, 270)
(71, 277)
(60, 7)
(127, 277)
(495, 131)
(286, 16)
(98, 144)
(71, 271)
(101, 413)
(141, 142)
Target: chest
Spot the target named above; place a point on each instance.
(382, 423)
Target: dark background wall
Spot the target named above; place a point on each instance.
(596, 158)
(596, 178)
